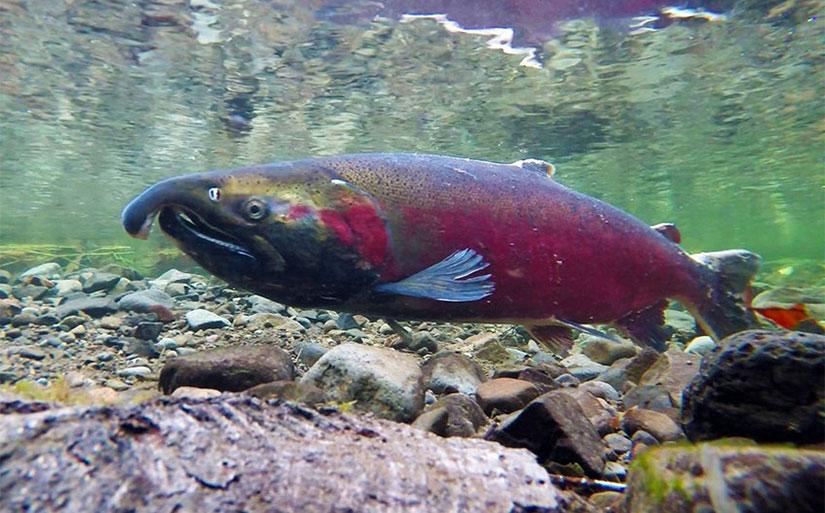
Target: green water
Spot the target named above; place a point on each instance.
(718, 127)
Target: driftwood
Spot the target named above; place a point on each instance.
(235, 453)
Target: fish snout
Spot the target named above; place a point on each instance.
(137, 217)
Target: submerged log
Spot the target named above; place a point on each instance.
(236, 453)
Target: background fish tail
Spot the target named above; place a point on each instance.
(723, 307)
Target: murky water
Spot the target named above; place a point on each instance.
(717, 125)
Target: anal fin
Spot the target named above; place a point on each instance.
(558, 339)
(647, 326)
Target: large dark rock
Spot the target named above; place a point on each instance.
(720, 479)
(762, 385)
(231, 369)
(238, 453)
(555, 428)
(94, 306)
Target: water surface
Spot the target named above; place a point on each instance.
(718, 126)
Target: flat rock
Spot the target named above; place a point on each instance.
(50, 270)
(27, 290)
(656, 423)
(94, 306)
(65, 287)
(605, 352)
(381, 380)
(144, 301)
(140, 371)
(231, 369)
(601, 390)
(258, 304)
(200, 319)
(452, 415)
(505, 395)
(195, 393)
(448, 372)
(289, 391)
(239, 453)
(175, 276)
(96, 281)
(265, 320)
(673, 370)
(762, 385)
(714, 478)
(554, 427)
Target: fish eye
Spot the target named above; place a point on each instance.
(214, 193)
(255, 209)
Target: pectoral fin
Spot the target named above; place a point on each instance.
(447, 280)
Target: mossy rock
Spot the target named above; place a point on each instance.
(714, 477)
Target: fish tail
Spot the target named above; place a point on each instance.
(723, 307)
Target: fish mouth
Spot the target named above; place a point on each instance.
(200, 238)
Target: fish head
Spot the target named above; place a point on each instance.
(279, 230)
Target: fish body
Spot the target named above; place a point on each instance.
(430, 237)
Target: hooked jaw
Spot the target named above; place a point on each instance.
(181, 204)
(139, 214)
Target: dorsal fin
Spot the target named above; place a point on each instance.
(536, 165)
(669, 231)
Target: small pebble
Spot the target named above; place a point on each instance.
(643, 437)
(618, 442)
(614, 471)
(309, 352)
(166, 344)
(567, 380)
(105, 356)
(345, 322)
(601, 389)
(33, 353)
(111, 322)
(201, 319)
(137, 371)
(51, 342)
(148, 330)
(116, 384)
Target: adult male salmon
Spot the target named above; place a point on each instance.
(426, 237)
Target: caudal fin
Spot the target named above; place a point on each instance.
(724, 308)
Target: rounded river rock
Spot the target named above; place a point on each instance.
(381, 380)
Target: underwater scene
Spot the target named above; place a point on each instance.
(412, 255)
